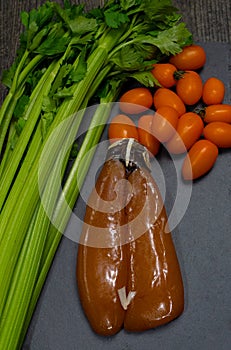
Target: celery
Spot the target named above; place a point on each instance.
(18, 221)
(32, 113)
(54, 235)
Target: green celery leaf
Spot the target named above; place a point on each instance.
(38, 38)
(115, 19)
(56, 41)
(67, 4)
(20, 106)
(158, 10)
(48, 105)
(63, 93)
(146, 78)
(32, 80)
(79, 72)
(111, 85)
(24, 18)
(74, 18)
(127, 58)
(20, 125)
(171, 40)
(82, 25)
(132, 57)
(79, 41)
(96, 13)
(60, 78)
(127, 4)
(35, 20)
(46, 121)
(8, 75)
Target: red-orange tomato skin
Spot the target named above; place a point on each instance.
(189, 87)
(121, 126)
(213, 91)
(218, 113)
(136, 100)
(146, 138)
(167, 97)
(164, 73)
(191, 57)
(199, 160)
(164, 123)
(189, 129)
(218, 133)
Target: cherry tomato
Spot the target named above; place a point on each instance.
(189, 87)
(213, 91)
(167, 97)
(218, 133)
(199, 160)
(136, 100)
(121, 126)
(164, 123)
(189, 129)
(190, 58)
(218, 113)
(146, 137)
(164, 73)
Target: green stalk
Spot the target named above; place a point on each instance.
(26, 271)
(9, 148)
(13, 86)
(32, 114)
(5, 323)
(6, 121)
(19, 220)
(32, 64)
(87, 148)
(7, 108)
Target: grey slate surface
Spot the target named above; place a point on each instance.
(203, 244)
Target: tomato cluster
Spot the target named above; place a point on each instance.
(176, 121)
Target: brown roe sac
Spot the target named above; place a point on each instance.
(101, 263)
(153, 269)
(127, 269)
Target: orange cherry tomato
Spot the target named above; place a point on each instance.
(136, 101)
(213, 91)
(164, 123)
(218, 133)
(199, 160)
(121, 126)
(164, 73)
(167, 97)
(189, 87)
(217, 113)
(189, 129)
(190, 58)
(146, 137)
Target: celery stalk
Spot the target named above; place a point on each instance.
(33, 113)
(27, 268)
(18, 221)
(54, 235)
(6, 110)
(13, 86)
